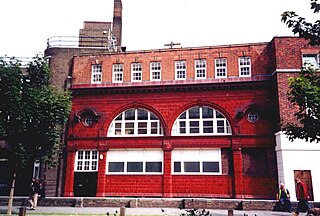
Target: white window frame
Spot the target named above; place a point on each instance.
(117, 73)
(312, 59)
(200, 67)
(181, 70)
(96, 73)
(155, 71)
(86, 161)
(244, 66)
(143, 156)
(183, 156)
(136, 72)
(36, 169)
(188, 122)
(120, 125)
(221, 68)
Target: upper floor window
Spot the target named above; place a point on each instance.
(196, 161)
(221, 67)
(312, 59)
(136, 72)
(155, 70)
(244, 66)
(181, 70)
(200, 68)
(134, 161)
(86, 161)
(96, 73)
(135, 122)
(201, 121)
(117, 75)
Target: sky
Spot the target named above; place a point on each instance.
(147, 24)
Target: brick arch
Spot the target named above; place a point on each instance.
(187, 106)
(135, 105)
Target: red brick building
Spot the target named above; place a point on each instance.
(186, 122)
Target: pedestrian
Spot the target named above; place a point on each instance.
(283, 198)
(302, 197)
(34, 193)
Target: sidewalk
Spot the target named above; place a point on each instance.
(43, 210)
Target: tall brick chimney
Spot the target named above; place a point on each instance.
(117, 21)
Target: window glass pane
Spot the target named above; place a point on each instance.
(219, 115)
(94, 165)
(87, 154)
(207, 126)
(207, 112)
(142, 114)
(183, 116)
(210, 166)
(153, 117)
(80, 154)
(134, 167)
(130, 114)
(119, 117)
(94, 155)
(153, 166)
(86, 165)
(194, 126)
(177, 167)
(79, 165)
(129, 128)
(142, 128)
(154, 127)
(117, 128)
(220, 126)
(116, 167)
(192, 166)
(194, 113)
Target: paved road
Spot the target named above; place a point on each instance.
(41, 210)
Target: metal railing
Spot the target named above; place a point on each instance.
(77, 41)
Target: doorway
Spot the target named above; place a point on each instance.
(85, 184)
(305, 176)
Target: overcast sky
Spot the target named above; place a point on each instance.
(146, 24)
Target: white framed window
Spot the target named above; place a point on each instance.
(181, 70)
(96, 74)
(200, 69)
(312, 59)
(117, 74)
(136, 122)
(221, 67)
(136, 72)
(201, 121)
(137, 161)
(155, 71)
(86, 161)
(196, 161)
(244, 66)
(36, 169)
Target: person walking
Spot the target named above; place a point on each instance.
(302, 197)
(34, 193)
(283, 197)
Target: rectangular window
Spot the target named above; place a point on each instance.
(96, 74)
(117, 73)
(312, 59)
(180, 70)
(200, 69)
(244, 66)
(134, 161)
(196, 161)
(221, 67)
(155, 71)
(86, 161)
(136, 72)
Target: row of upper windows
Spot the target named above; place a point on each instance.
(200, 66)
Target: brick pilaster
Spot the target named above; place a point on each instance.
(69, 181)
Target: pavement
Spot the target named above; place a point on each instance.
(45, 210)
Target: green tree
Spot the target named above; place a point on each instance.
(300, 26)
(32, 114)
(304, 93)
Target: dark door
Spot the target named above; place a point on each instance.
(305, 176)
(85, 184)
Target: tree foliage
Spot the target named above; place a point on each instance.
(300, 26)
(32, 113)
(304, 93)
